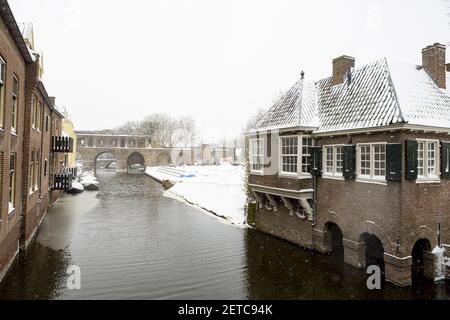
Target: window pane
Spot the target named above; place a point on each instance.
(329, 159)
(339, 160)
(420, 158)
(289, 150)
(365, 159)
(380, 160)
(431, 158)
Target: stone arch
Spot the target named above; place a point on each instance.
(372, 228)
(422, 232)
(135, 158)
(104, 152)
(371, 250)
(163, 159)
(422, 261)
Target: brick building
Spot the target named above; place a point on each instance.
(358, 164)
(30, 138)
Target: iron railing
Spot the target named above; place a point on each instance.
(62, 144)
(61, 181)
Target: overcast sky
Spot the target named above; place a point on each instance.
(110, 61)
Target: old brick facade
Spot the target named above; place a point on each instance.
(26, 150)
(379, 190)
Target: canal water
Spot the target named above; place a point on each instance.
(131, 242)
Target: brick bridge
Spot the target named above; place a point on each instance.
(127, 150)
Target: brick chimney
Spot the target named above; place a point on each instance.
(340, 67)
(433, 62)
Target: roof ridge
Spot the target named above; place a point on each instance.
(394, 92)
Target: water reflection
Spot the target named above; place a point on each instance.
(133, 243)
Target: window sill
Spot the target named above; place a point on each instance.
(11, 210)
(294, 176)
(372, 181)
(257, 173)
(430, 180)
(332, 177)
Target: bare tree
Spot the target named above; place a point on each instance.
(166, 130)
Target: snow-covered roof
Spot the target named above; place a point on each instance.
(295, 108)
(377, 94)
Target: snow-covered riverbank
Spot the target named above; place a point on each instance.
(217, 189)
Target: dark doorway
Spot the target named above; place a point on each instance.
(420, 269)
(334, 240)
(373, 253)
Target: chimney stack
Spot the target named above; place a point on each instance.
(433, 62)
(448, 67)
(341, 65)
(53, 100)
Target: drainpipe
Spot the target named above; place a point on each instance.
(314, 200)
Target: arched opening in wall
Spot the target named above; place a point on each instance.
(163, 159)
(135, 162)
(372, 252)
(105, 161)
(334, 240)
(422, 262)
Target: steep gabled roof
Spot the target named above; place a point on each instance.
(366, 100)
(377, 94)
(421, 100)
(296, 108)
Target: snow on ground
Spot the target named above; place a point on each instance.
(218, 189)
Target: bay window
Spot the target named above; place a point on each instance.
(256, 155)
(295, 154)
(372, 161)
(289, 155)
(427, 159)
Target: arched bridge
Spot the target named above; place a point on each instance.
(127, 150)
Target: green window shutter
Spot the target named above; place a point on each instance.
(316, 160)
(349, 157)
(445, 160)
(411, 159)
(393, 162)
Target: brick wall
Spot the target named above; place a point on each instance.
(10, 143)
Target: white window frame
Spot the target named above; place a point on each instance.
(334, 172)
(12, 178)
(299, 173)
(372, 175)
(15, 107)
(260, 154)
(298, 154)
(437, 160)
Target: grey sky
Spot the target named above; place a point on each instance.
(111, 61)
